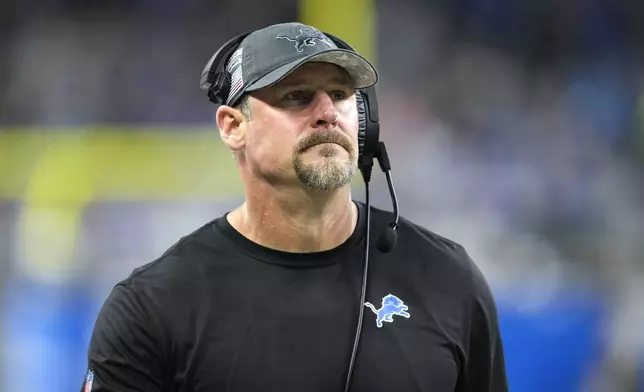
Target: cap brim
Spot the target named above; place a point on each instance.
(362, 73)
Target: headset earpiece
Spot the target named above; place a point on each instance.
(214, 77)
(368, 121)
(218, 93)
(362, 122)
(368, 129)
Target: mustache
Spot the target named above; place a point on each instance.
(324, 137)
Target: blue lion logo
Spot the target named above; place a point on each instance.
(391, 305)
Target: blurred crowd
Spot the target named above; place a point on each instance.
(514, 128)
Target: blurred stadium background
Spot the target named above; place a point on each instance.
(515, 128)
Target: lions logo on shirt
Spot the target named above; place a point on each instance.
(391, 306)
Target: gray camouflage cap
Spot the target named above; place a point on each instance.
(268, 55)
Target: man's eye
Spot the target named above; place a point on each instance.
(297, 95)
(338, 95)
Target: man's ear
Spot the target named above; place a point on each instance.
(232, 126)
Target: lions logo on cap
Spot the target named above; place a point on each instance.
(307, 37)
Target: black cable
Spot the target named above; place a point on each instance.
(363, 294)
(392, 192)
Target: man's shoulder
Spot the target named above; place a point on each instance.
(177, 262)
(418, 242)
(417, 235)
(426, 237)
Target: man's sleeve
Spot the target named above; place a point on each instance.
(484, 368)
(125, 348)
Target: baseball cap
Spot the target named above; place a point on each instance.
(268, 55)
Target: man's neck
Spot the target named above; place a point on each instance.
(305, 222)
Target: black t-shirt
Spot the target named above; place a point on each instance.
(218, 312)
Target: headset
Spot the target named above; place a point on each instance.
(215, 79)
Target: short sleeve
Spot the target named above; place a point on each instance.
(125, 351)
(484, 368)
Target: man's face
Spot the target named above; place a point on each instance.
(305, 128)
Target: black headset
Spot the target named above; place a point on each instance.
(216, 80)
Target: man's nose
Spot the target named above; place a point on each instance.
(325, 112)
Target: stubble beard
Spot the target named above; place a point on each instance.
(326, 174)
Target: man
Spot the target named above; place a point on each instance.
(266, 297)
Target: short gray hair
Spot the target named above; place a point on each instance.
(244, 106)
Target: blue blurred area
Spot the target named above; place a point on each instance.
(555, 347)
(46, 335)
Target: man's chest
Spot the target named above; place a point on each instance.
(286, 340)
